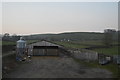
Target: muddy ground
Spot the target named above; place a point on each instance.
(55, 67)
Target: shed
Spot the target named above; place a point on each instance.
(43, 48)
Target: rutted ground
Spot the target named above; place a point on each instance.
(56, 67)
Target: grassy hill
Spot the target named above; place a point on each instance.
(71, 36)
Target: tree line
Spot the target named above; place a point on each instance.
(7, 37)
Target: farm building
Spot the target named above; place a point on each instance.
(43, 48)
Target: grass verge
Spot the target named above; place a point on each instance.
(108, 51)
(114, 68)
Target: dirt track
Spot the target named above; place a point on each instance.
(56, 67)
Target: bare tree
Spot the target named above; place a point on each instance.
(6, 36)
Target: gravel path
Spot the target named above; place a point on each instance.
(56, 67)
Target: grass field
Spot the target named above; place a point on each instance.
(109, 51)
(111, 67)
(14, 43)
(8, 43)
(31, 41)
(97, 43)
(71, 45)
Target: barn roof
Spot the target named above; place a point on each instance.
(43, 43)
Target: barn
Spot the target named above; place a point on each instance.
(43, 48)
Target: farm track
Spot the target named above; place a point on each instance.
(56, 67)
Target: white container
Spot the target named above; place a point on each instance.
(21, 43)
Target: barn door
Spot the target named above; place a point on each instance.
(38, 51)
(45, 50)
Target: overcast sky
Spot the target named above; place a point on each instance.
(57, 17)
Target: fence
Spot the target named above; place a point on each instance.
(85, 55)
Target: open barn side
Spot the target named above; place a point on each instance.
(43, 48)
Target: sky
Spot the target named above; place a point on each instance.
(58, 17)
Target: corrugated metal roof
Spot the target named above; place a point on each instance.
(43, 43)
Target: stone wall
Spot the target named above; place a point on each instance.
(88, 55)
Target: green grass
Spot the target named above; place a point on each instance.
(109, 51)
(8, 43)
(31, 41)
(80, 44)
(111, 67)
(97, 43)
(71, 45)
(86, 44)
(14, 43)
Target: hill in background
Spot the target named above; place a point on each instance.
(71, 36)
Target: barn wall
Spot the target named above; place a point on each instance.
(45, 50)
(52, 52)
(38, 52)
